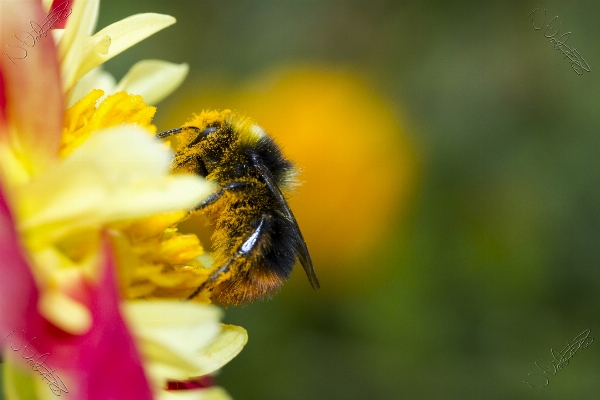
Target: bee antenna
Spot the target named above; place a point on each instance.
(175, 131)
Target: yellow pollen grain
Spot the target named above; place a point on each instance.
(164, 261)
(179, 248)
(154, 226)
(84, 117)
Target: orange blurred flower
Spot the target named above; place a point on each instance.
(357, 166)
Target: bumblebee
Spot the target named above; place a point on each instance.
(257, 240)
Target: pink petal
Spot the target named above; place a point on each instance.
(107, 354)
(32, 86)
(200, 382)
(101, 364)
(2, 103)
(18, 294)
(58, 6)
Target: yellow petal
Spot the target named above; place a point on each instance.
(72, 43)
(47, 4)
(134, 29)
(84, 118)
(123, 34)
(90, 51)
(154, 226)
(117, 174)
(57, 34)
(166, 279)
(140, 290)
(178, 248)
(182, 340)
(95, 79)
(90, 19)
(153, 79)
(73, 27)
(212, 393)
(228, 345)
(64, 312)
(80, 23)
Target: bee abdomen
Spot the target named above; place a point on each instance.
(261, 261)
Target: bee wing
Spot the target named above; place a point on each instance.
(301, 248)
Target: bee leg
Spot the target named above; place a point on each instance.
(209, 200)
(233, 186)
(211, 279)
(242, 251)
(202, 171)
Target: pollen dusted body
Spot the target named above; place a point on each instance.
(256, 240)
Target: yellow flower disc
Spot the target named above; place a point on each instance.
(84, 117)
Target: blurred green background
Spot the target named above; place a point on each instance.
(451, 199)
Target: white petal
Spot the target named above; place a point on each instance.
(95, 79)
(123, 34)
(134, 29)
(74, 44)
(118, 173)
(182, 340)
(153, 79)
(83, 16)
(57, 34)
(91, 16)
(46, 4)
(91, 53)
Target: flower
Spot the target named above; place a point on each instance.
(152, 79)
(159, 261)
(81, 54)
(69, 180)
